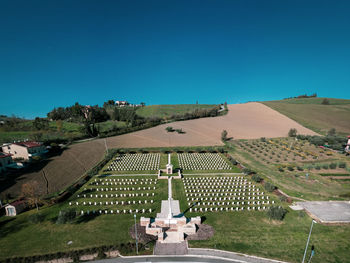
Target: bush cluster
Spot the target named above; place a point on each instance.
(66, 216)
(269, 187)
(256, 178)
(276, 212)
(334, 141)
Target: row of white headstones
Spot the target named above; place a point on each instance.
(97, 189)
(219, 193)
(123, 181)
(202, 161)
(114, 195)
(91, 203)
(135, 162)
(117, 211)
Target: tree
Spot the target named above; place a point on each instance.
(143, 104)
(325, 101)
(30, 191)
(332, 132)
(41, 124)
(224, 135)
(276, 212)
(292, 132)
(59, 125)
(169, 129)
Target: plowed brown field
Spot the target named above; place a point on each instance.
(243, 121)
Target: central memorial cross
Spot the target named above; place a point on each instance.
(170, 225)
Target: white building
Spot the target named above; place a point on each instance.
(26, 150)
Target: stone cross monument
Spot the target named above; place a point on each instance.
(169, 166)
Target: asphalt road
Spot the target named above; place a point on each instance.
(215, 257)
(167, 259)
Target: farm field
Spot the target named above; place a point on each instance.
(60, 171)
(286, 171)
(250, 120)
(243, 121)
(162, 111)
(285, 151)
(319, 118)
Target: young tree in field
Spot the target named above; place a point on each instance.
(30, 191)
(59, 125)
(224, 135)
(332, 132)
(325, 101)
(292, 132)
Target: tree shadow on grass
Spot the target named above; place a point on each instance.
(86, 218)
(9, 226)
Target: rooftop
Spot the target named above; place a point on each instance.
(4, 155)
(29, 144)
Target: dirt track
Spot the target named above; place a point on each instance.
(243, 121)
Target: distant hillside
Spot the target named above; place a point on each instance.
(311, 113)
(161, 111)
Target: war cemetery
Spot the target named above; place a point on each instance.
(253, 196)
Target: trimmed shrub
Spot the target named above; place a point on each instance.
(269, 187)
(283, 198)
(342, 165)
(290, 168)
(276, 212)
(248, 171)
(333, 166)
(300, 168)
(325, 166)
(256, 178)
(66, 216)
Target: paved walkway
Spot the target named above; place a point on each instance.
(328, 211)
(170, 248)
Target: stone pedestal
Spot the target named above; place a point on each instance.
(169, 169)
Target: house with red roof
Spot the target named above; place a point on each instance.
(25, 150)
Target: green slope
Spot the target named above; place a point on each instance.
(162, 111)
(311, 113)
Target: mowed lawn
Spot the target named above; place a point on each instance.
(254, 234)
(312, 114)
(162, 111)
(20, 237)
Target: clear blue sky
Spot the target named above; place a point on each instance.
(54, 53)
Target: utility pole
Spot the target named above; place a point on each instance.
(308, 239)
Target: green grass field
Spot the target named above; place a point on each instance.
(162, 111)
(49, 237)
(249, 232)
(253, 233)
(319, 118)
